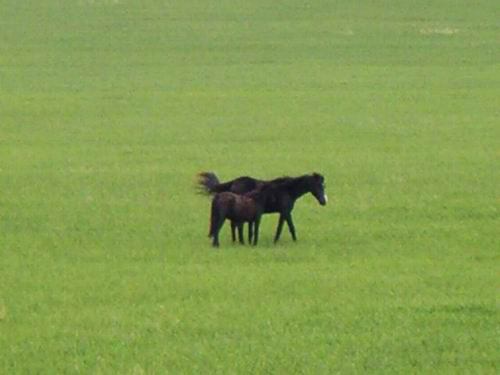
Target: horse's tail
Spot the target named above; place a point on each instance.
(214, 217)
(209, 184)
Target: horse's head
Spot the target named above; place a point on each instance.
(317, 188)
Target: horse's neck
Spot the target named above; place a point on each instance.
(298, 188)
(260, 197)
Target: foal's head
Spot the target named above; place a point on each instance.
(316, 184)
(261, 193)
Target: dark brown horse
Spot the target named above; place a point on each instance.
(239, 208)
(286, 190)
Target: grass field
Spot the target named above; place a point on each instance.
(109, 108)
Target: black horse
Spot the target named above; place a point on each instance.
(239, 208)
(286, 190)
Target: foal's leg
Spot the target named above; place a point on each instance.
(280, 227)
(233, 230)
(256, 232)
(236, 225)
(289, 221)
(220, 223)
(239, 226)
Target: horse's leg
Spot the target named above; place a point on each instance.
(280, 227)
(289, 221)
(250, 232)
(240, 233)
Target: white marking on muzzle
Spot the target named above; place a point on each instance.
(326, 198)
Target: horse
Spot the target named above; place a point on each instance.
(286, 190)
(239, 208)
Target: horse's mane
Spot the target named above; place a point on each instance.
(287, 181)
(282, 179)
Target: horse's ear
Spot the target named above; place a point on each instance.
(318, 176)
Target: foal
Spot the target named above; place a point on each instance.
(239, 209)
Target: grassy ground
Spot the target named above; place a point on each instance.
(108, 109)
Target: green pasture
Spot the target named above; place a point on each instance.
(109, 108)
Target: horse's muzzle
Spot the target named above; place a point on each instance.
(324, 201)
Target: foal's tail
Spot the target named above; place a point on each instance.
(209, 184)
